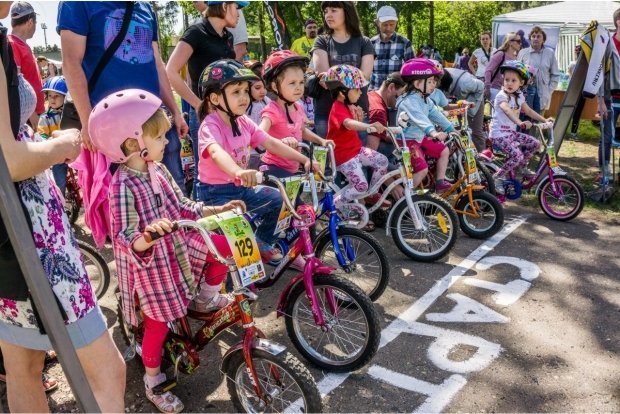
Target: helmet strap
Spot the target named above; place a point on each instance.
(287, 103)
(231, 115)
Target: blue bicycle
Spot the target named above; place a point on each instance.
(355, 254)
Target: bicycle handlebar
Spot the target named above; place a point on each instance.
(266, 177)
(152, 236)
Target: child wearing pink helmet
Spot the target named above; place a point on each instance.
(346, 83)
(419, 115)
(129, 128)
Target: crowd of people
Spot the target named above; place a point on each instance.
(129, 142)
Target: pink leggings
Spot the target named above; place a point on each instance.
(352, 169)
(155, 331)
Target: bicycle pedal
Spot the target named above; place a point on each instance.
(164, 387)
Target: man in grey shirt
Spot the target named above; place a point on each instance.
(547, 74)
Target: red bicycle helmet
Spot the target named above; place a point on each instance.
(279, 60)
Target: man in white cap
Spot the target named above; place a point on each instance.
(391, 49)
(23, 26)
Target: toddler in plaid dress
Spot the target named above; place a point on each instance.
(162, 275)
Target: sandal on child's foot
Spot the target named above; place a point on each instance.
(216, 302)
(167, 402)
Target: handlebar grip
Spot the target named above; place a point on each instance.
(151, 236)
(259, 179)
(371, 130)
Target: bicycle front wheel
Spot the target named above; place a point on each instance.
(286, 382)
(490, 215)
(432, 242)
(350, 337)
(565, 202)
(366, 263)
(96, 268)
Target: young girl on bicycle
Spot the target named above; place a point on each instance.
(509, 103)
(225, 139)
(421, 115)
(345, 83)
(129, 128)
(284, 118)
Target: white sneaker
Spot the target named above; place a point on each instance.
(499, 185)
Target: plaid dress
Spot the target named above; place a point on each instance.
(164, 277)
(389, 57)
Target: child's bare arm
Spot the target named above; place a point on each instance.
(506, 108)
(353, 125)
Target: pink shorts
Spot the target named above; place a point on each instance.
(432, 148)
(417, 157)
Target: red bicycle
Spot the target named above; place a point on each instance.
(261, 375)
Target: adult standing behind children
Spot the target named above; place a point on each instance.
(493, 78)
(202, 44)
(547, 73)
(303, 45)
(481, 56)
(23, 25)
(343, 44)
(391, 49)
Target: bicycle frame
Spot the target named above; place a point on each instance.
(183, 346)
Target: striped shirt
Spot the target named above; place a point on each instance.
(389, 57)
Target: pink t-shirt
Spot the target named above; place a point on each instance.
(214, 130)
(280, 128)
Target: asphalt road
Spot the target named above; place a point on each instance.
(527, 321)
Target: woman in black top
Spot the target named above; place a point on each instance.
(202, 44)
(342, 43)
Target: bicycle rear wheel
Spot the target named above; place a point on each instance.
(366, 261)
(286, 381)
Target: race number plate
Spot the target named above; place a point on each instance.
(553, 161)
(242, 242)
(408, 167)
(292, 185)
(470, 155)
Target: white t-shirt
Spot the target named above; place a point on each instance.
(240, 33)
(501, 124)
(482, 60)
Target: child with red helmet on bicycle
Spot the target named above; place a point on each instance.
(418, 115)
(225, 139)
(509, 103)
(129, 128)
(284, 118)
(345, 83)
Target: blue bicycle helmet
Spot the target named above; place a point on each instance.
(56, 84)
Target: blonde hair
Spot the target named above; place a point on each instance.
(510, 36)
(157, 125)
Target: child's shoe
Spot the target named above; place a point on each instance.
(298, 264)
(218, 301)
(373, 199)
(442, 185)
(499, 185)
(527, 173)
(268, 253)
(166, 402)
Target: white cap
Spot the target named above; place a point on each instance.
(387, 13)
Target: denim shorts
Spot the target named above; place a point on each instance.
(82, 332)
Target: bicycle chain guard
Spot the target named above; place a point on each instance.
(512, 189)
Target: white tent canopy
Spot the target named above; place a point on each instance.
(570, 18)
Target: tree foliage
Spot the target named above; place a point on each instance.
(167, 12)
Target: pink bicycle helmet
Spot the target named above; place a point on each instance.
(420, 68)
(119, 116)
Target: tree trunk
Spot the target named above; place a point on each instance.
(431, 23)
(261, 32)
(409, 24)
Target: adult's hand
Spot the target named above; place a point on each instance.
(69, 142)
(86, 141)
(181, 125)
